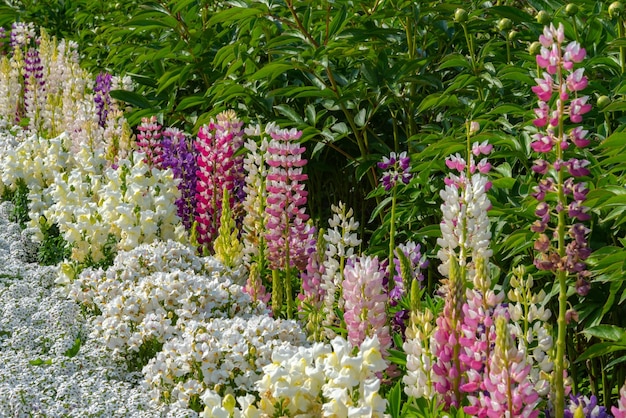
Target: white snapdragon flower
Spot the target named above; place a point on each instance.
(221, 352)
(139, 203)
(324, 380)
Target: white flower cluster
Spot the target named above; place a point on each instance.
(10, 89)
(139, 203)
(88, 202)
(324, 380)
(341, 240)
(150, 291)
(529, 321)
(465, 224)
(419, 357)
(50, 368)
(79, 189)
(224, 354)
(255, 219)
(331, 383)
(37, 162)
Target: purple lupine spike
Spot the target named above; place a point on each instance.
(21, 34)
(178, 155)
(102, 97)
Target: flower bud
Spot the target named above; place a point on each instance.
(543, 17)
(460, 16)
(513, 35)
(603, 101)
(616, 9)
(229, 403)
(534, 48)
(415, 295)
(505, 24)
(571, 9)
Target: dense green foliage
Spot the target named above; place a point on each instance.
(363, 78)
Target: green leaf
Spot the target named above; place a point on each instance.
(504, 183)
(289, 112)
(181, 5)
(73, 350)
(131, 97)
(615, 362)
(454, 60)
(191, 101)
(516, 14)
(618, 139)
(508, 108)
(338, 22)
(271, 71)
(40, 362)
(234, 14)
(606, 332)
(436, 100)
(380, 207)
(360, 119)
(600, 349)
(394, 397)
(433, 231)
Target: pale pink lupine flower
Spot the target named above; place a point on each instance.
(288, 234)
(365, 302)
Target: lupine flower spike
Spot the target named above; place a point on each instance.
(218, 168)
(562, 245)
(288, 234)
(365, 302)
(396, 170)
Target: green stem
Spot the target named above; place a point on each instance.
(559, 361)
(606, 388)
(622, 50)
(475, 71)
(288, 289)
(392, 235)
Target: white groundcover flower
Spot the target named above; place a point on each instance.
(50, 367)
(140, 305)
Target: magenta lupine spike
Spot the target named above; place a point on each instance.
(149, 141)
(464, 253)
(508, 392)
(218, 169)
(562, 82)
(311, 306)
(562, 244)
(312, 292)
(365, 301)
(288, 234)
